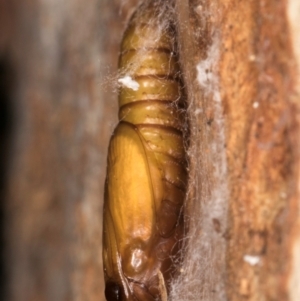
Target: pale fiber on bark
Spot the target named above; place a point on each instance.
(203, 268)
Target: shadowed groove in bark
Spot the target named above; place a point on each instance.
(6, 126)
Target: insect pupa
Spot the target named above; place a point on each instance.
(147, 168)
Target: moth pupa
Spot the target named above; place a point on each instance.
(147, 169)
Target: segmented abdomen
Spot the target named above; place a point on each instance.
(146, 177)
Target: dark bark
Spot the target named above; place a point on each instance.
(58, 57)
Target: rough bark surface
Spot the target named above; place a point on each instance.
(63, 112)
(245, 85)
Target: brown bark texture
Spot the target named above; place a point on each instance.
(58, 109)
(58, 82)
(239, 60)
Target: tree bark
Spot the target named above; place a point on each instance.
(62, 109)
(239, 60)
